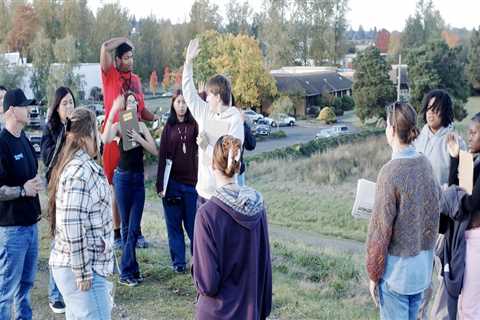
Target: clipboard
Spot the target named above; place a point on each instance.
(128, 121)
(465, 171)
(166, 174)
(364, 199)
(215, 129)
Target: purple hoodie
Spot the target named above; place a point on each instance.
(231, 256)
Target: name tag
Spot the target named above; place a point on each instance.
(18, 156)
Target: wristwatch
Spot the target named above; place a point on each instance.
(23, 193)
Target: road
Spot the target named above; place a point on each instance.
(303, 132)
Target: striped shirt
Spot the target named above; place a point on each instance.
(83, 232)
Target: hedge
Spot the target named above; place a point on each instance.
(313, 146)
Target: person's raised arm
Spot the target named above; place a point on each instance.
(197, 106)
(110, 131)
(108, 46)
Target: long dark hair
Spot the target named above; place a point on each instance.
(82, 124)
(443, 104)
(172, 119)
(54, 118)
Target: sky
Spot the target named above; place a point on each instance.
(388, 14)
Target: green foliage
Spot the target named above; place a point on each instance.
(314, 146)
(473, 66)
(327, 115)
(337, 106)
(372, 87)
(348, 103)
(10, 76)
(62, 73)
(283, 104)
(433, 66)
(42, 55)
(204, 15)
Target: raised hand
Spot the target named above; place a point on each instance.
(192, 50)
(453, 147)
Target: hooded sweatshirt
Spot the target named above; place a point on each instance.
(434, 147)
(202, 113)
(231, 256)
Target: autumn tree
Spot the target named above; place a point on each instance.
(382, 41)
(24, 27)
(450, 38)
(153, 82)
(166, 78)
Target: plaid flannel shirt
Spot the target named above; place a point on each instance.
(83, 232)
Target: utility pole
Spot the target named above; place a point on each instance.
(399, 76)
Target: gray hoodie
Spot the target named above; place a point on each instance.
(434, 147)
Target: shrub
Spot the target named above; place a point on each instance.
(348, 103)
(338, 106)
(327, 115)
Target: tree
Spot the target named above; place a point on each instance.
(166, 78)
(49, 18)
(149, 49)
(382, 41)
(433, 66)
(112, 21)
(339, 29)
(24, 27)
(394, 45)
(450, 38)
(11, 76)
(42, 58)
(473, 66)
(283, 104)
(4, 19)
(238, 17)
(204, 16)
(62, 73)
(153, 82)
(424, 26)
(274, 36)
(372, 87)
(327, 115)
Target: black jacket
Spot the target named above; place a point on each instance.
(50, 146)
(249, 144)
(458, 208)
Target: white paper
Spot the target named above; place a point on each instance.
(166, 174)
(364, 199)
(215, 129)
(465, 171)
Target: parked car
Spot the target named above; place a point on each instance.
(333, 131)
(267, 121)
(35, 138)
(253, 116)
(284, 120)
(261, 130)
(35, 120)
(167, 94)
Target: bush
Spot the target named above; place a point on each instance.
(348, 103)
(313, 146)
(338, 106)
(283, 104)
(327, 115)
(313, 111)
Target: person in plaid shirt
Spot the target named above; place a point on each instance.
(81, 222)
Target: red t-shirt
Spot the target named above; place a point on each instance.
(116, 83)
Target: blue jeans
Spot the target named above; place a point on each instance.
(180, 206)
(54, 294)
(130, 193)
(18, 266)
(397, 306)
(94, 304)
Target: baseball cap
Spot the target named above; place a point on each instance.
(16, 98)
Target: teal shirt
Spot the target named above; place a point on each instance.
(408, 275)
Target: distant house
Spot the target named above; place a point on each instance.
(308, 84)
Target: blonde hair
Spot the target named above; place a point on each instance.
(226, 155)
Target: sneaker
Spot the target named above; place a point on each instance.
(142, 243)
(118, 244)
(128, 282)
(179, 269)
(57, 307)
(140, 278)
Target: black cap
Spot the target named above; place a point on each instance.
(16, 98)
